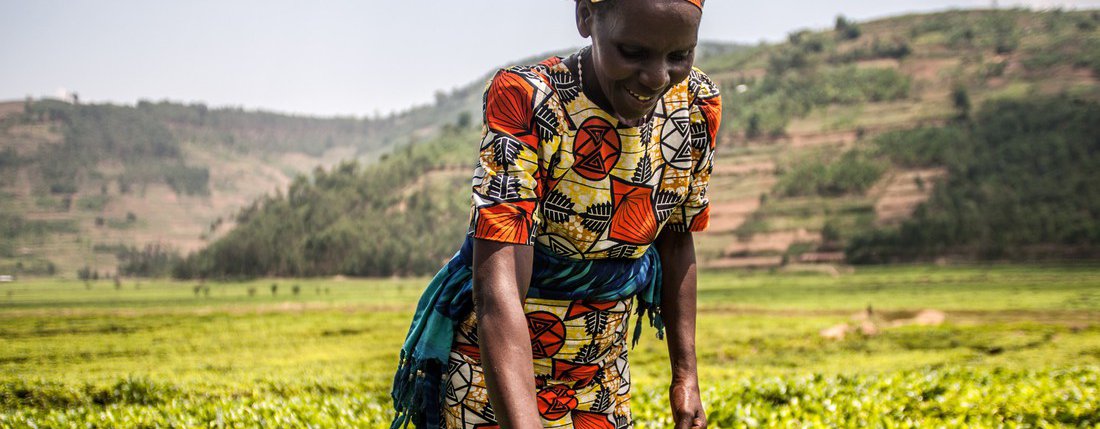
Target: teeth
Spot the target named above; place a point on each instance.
(640, 97)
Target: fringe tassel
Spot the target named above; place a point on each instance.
(416, 394)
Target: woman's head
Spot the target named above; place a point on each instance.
(640, 48)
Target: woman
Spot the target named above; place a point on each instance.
(592, 177)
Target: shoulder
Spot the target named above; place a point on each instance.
(525, 80)
(697, 91)
(706, 104)
(514, 93)
(702, 88)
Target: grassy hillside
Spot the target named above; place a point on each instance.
(82, 184)
(831, 143)
(802, 172)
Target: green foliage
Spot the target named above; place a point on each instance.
(1021, 183)
(154, 260)
(809, 41)
(249, 131)
(920, 147)
(786, 59)
(93, 202)
(779, 97)
(846, 30)
(1066, 49)
(188, 180)
(1015, 350)
(853, 173)
(380, 220)
(9, 158)
(27, 266)
(895, 48)
(13, 226)
(961, 100)
(93, 133)
(910, 399)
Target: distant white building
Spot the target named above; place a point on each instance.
(6, 278)
(68, 96)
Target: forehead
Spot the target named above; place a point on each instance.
(655, 24)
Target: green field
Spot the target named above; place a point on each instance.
(1020, 347)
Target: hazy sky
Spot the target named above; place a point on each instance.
(336, 57)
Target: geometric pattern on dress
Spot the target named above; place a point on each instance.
(579, 385)
(556, 169)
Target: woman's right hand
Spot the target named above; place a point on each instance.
(687, 406)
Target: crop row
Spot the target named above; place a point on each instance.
(958, 397)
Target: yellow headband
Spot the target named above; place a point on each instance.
(697, 3)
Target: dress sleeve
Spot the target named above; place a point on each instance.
(693, 214)
(506, 186)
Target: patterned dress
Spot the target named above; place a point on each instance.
(557, 171)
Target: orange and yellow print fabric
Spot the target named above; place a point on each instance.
(580, 361)
(556, 169)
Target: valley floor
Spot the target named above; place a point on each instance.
(978, 346)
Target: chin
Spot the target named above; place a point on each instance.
(632, 109)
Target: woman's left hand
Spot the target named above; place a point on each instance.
(687, 406)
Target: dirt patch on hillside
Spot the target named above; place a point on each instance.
(728, 216)
(879, 63)
(902, 192)
(771, 242)
(744, 168)
(837, 138)
(929, 69)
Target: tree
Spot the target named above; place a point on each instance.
(463, 120)
(753, 129)
(961, 100)
(847, 30)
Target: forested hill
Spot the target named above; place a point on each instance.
(87, 185)
(403, 215)
(965, 134)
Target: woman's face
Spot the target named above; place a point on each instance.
(640, 48)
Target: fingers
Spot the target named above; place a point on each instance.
(690, 420)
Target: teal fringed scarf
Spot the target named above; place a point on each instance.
(448, 300)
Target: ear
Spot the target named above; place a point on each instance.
(585, 15)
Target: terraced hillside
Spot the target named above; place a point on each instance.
(69, 203)
(798, 172)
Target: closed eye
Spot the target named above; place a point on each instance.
(679, 56)
(631, 52)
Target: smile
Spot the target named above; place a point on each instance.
(638, 96)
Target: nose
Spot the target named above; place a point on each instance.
(654, 76)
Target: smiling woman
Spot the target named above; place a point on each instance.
(592, 177)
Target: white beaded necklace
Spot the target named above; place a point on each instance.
(580, 65)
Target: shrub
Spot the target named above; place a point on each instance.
(853, 173)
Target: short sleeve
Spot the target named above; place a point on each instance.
(506, 186)
(693, 214)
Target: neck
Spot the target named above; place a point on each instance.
(591, 88)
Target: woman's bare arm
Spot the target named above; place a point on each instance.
(678, 308)
(502, 274)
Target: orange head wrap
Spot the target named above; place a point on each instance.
(697, 3)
